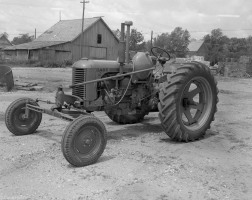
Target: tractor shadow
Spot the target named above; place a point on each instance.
(46, 134)
(117, 132)
(147, 126)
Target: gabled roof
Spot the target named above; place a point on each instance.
(34, 45)
(195, 45)
(62, 32)
(66, 30)
(4, 42)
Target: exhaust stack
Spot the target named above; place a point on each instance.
(123, 52)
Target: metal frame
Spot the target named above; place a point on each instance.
(65, 115)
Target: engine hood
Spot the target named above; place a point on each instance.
(87, 63)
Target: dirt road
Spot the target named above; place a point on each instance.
(140, 162)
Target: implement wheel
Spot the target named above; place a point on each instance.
(84, 141)
(16, 121)
(188, 102)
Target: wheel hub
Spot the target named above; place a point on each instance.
(196, 103)
(87, 140)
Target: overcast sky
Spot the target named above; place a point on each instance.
(199, 17)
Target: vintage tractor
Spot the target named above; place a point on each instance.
(127, 90)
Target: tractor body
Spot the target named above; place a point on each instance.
(127, 90)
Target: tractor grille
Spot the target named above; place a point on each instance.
(79, 76)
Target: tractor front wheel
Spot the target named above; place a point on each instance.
(84, 141)
(17, 122)
(188, 102)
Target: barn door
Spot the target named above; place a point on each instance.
(98, 53)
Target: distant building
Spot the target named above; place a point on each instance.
(62, 42)
(4, 42)
(197, 48)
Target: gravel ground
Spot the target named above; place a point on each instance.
(140, 162)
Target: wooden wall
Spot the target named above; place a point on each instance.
(90, 41)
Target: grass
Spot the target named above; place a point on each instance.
(33, 63)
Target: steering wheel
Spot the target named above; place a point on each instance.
(159, 56)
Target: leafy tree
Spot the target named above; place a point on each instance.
(136, 42)
(162, 40)
(249, 45)
(24, 38)
(221, 47)
(176, 43)
(216, 43)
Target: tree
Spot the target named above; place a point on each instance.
(249, 45)
(176, 43)
(136, 41)
(217, 46)
(162, 40)
(24, 38)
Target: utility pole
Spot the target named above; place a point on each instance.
(82, 26)
(35, 34)
(151, 38)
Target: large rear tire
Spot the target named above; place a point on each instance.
(188, 102)
(16, 121)
(84, 141)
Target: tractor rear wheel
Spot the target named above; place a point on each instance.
(122, 114)
(188, 102)
(16, 121)
(84, 141)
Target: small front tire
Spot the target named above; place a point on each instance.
(16, 121)
(84, 141)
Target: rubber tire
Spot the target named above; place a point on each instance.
(10, 114)
(125, 119)
(71, 132)
(169, 97)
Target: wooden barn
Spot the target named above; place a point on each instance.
(197, 48)
(62, 42)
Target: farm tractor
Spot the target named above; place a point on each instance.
(127, 90)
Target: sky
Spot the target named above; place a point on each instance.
(199, 17)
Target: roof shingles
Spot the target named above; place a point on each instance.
(62, 32)
(66, 30)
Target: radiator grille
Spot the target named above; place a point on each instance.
(79, 76)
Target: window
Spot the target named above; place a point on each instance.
(99, 38)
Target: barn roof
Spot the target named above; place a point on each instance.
(34, 45)
(66, 30)
(62, 32)
(4, 42)
(195, 45)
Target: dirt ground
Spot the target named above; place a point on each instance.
(140, 162)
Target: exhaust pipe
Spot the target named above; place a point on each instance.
(124, 45)
(128, 24)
